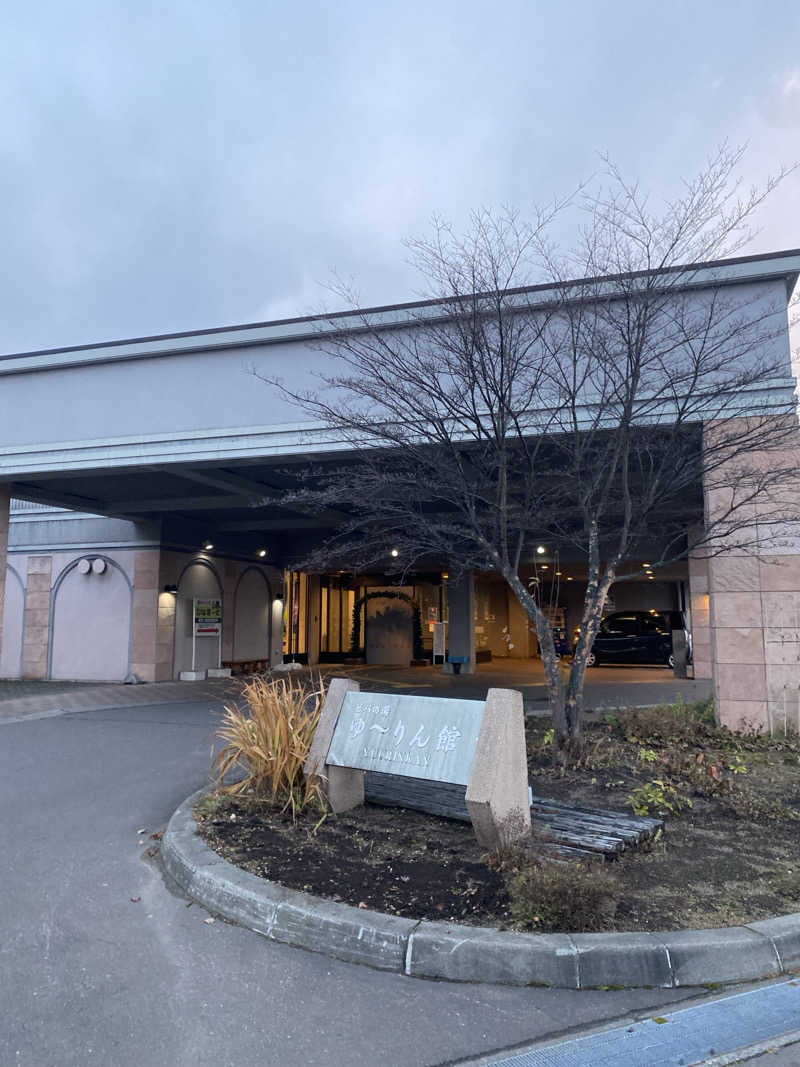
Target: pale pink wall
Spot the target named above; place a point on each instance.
(11, 643)
(91, 626)
(251, 622)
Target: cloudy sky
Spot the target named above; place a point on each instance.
(180, 165)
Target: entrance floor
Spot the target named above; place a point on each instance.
(606, 687)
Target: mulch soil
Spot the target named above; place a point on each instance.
(723, 862)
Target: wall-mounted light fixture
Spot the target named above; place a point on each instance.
(207, 546)
(171, 589)
(261, 553)
(395, 553)
(540, 550)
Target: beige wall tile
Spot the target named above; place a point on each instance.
(741, 645)
(742, 714)
(736, 609)
(780, 573)
(782, 646)
(741, 681)
(734, 574)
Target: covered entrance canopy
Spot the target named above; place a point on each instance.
(180, 442)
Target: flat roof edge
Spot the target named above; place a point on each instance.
(768, 266)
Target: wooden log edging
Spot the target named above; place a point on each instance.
(423, 949)
(580, 831)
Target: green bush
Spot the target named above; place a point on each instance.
(658, 798)
(548, 895)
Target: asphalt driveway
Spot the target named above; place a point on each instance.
(102, 964)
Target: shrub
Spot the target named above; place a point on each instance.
(569, 896)
(679, 722)
(658, 798)
(270, 739)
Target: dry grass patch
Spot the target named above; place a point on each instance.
(269, 739)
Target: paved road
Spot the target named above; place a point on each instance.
(89, 976)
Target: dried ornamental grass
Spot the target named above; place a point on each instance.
(270, 740)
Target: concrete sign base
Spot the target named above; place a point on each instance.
(343, 786)
(497, 794)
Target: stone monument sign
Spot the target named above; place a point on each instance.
(475, 743)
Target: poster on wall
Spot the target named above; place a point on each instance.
(207, 618)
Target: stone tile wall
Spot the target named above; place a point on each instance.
(36, 634)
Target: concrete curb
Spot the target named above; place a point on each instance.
(460, 953)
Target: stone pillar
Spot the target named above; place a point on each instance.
(461, 630)
(5, 501)
(755, 610)
(700, 613)
(146, 566)
(36, 637)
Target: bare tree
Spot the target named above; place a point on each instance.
(518, 405)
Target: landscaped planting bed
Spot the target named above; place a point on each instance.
(730, 852)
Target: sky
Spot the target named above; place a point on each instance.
(187, 165)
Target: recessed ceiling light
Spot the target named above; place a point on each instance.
(541, 550)
(207, 546)
(544, 567)
(261, 553)
(395, 553)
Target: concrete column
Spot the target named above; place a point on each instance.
(314, 607)
(519, 628)
(36, 637)
(5, 500)
(461, 631)
(700, 612)
(229, 577)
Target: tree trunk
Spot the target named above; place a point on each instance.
(552, 671)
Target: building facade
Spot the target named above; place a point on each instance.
(138, 478)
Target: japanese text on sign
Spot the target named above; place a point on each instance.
(420, 737)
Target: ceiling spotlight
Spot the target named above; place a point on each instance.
(568, 578)
(650, 576)
(540, 550)
(558, 574)
(261, 553)
(544, 567)
(207, 546)
(395, 553)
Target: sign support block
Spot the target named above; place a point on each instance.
(497, 793)
(343, 786)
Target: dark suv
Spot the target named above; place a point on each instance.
(638, 637)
